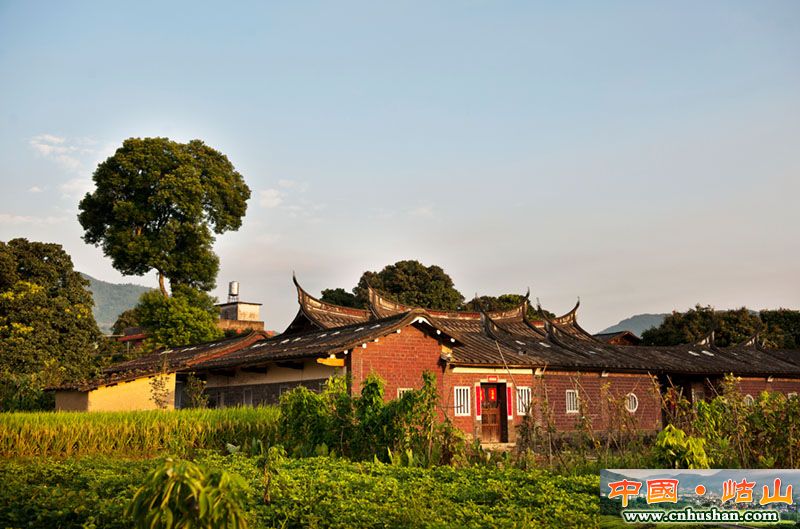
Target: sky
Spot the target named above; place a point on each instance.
(643, 156)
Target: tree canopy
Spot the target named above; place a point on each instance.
(188, 317)
(341, 297)
(47, 331)
(504, 302)
(777, 328)
(157, 205)
(412, 283)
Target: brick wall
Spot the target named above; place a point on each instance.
(602, 398)
(754, 386)
(399, 359)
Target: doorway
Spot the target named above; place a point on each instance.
(494, 424)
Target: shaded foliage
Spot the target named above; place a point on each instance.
(504, 302)
(341, 297)
(782, 328)
(157, 204)
(777, 328)
(47, 331)
(128, 319)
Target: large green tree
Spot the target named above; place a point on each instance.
(157, 205)
(412, 283)
(47, 331)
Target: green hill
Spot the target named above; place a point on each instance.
(111, 300)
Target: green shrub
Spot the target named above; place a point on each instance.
(405, 429)
(675, 449)
(184, 495)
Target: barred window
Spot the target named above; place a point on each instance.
(461, 400)
(523, 400)
(403, 391)
(749, 400)
(572, 401)
(631, 402)
(247, 397)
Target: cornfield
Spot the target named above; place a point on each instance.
(61, 434)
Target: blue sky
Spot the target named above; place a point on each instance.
(643, 156)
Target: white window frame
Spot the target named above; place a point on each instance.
(523, 399)
(461, 399)
(791, 395)
(248, 392)
(403, 391)
(631, 396)
(571, 395)
(749, 400)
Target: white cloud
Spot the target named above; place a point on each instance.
(7, 218)
(35, 189)
(76, 187)
(72, 155)
(270, 198)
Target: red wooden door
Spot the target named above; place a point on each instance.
(490, 414)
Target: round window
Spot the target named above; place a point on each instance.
(749, 400)
(631, 402)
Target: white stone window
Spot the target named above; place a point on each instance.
(572, 401)
(247, 397)
(749, 400)
(403, 391)
(792, 395)
(461, 396)
(523, 400)
(631, 402)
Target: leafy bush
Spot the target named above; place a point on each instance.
(365, 427)
(184, 495)
(675, 449)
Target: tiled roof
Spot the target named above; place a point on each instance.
(315, 343)
(492, 339)
(168, 360)
(314, 313)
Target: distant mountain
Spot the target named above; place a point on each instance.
(111, 300)
(637, 324)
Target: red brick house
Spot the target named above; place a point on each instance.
(492, 367)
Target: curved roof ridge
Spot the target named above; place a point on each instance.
(568, 317)
(319, 311)
(569, 322)
(381, 306)
(708, 340)
(753, 341)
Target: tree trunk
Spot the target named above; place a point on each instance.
(161, 284)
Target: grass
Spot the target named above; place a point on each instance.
(64, 434)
